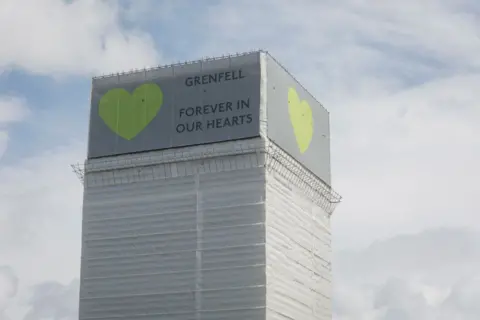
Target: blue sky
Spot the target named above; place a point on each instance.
(400, 80)
(48, 99)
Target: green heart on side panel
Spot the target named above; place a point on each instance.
(301, 117)
(129, 114)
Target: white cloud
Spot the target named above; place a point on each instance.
(53, 301)
(40, 215)
(40, 203)
(3, 142)
(324, 29)
(74, 37)
(411, 171)
(433, 275)
(12, 109)
(8, 288)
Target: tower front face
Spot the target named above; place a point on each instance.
(203, 198)
(175, 240)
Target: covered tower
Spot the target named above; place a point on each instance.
(207, 195)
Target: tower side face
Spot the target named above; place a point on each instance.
(298, 200)
(298, 252)
(178, 239)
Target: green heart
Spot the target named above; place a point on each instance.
(301, 118)
(128, 114)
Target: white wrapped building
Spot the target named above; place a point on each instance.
(234, 229)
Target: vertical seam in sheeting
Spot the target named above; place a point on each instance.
(198, 254)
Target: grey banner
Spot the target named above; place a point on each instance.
(202, 102)
(297, 122)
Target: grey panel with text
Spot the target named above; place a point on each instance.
(203, 102)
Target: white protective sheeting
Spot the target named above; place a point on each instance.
(224, 232)
(298, 250)
(175, 239)
(237, 230)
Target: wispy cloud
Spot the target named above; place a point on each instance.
(432, 275)
(71, 37)
(51, 300)
(8, 288)
(40, 220)
(12, 109)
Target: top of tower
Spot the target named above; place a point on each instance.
(210, 100)
(182, 63)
